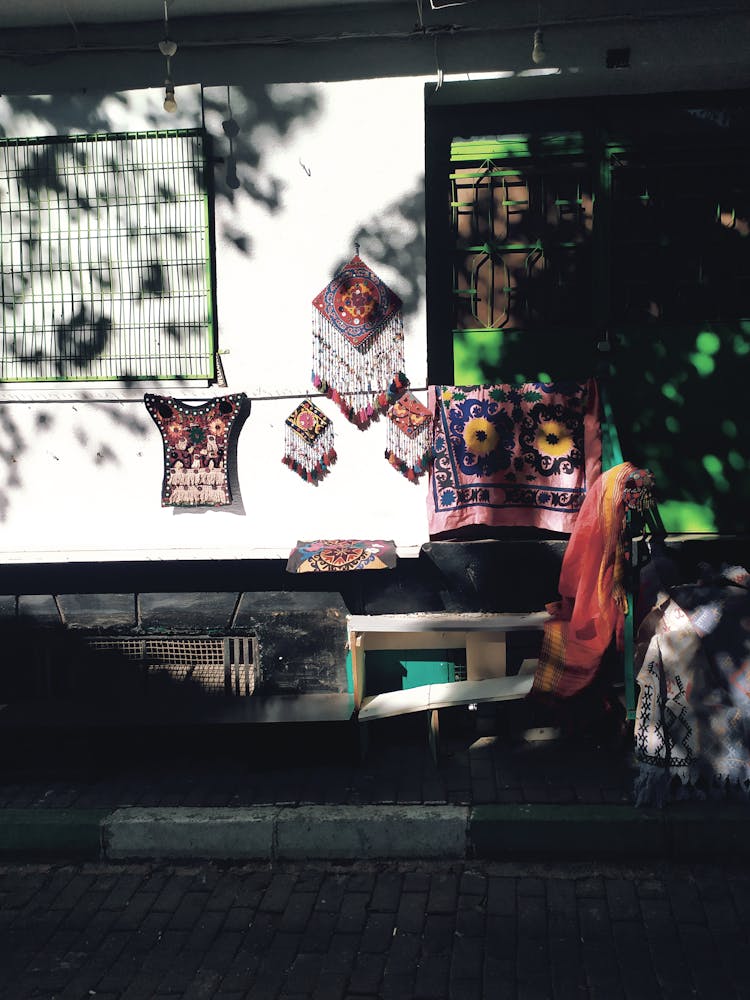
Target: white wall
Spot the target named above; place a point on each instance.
(319, 165)
(82, 468)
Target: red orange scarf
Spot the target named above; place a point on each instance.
(593, 600)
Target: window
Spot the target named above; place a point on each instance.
(105, 257)
(556, 227)
(522, 214)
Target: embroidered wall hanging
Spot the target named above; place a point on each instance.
(358, 341)
(341, 555)
(408, 436)
(195, 442)
(308, 442)
(512, 455)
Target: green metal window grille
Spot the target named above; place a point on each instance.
(522, 213)
(105, 258)
(551, 230)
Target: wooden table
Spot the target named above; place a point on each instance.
(482, 636)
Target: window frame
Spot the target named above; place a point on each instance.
(199, 208)
(449, 116)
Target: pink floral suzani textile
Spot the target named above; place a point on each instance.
(512, 455)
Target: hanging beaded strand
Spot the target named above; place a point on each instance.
(308, 442)
(358, 342)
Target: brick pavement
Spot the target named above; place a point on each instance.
(316, 765)
(386, 930)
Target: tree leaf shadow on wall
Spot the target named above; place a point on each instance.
(80, 341)
(395, 238)
(85, 333)
(81, 260)
(12, 448)
(251, 120)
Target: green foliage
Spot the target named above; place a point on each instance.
(678, 399)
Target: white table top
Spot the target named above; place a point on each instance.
(441, 621)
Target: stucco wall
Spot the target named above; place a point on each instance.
(318, 166)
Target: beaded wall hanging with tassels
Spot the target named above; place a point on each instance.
(408, 436)
(358, 341)
(308, 442)
(195, 438)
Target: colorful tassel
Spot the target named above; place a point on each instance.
(358, 342)
(408, 441)
(308, 442)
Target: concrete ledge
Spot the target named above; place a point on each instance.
(293, 833)
(689, 831)
(355, 832)
(709, 830)
(67, 833)
(568, 831)
(191, 833)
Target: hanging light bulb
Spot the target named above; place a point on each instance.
(170, 104)
(538, 51)
(168, 48)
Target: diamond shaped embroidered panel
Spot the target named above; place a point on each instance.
(357, 302)
(308, 421)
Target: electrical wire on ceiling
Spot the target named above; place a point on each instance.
(236, 40)
(73, 25)
(442, 4)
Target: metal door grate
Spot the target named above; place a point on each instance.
(215, 664)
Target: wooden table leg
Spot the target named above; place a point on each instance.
(357, 646)
(485, 655)
(434, 720)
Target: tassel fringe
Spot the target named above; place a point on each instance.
(308, 443)
(358, 379)
(412, 472)
(315, 473)
(408, 445)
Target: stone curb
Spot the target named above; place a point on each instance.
(696, 831)
(289, 833)
(65, 833)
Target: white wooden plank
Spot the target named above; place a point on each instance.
(528, 666)
(434, 696)
(438, 621)
(469, 692)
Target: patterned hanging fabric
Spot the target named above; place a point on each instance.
(339, 555)
(196, 456)
(308, 442)
(358, 341)
(512, 455)
(408, 437)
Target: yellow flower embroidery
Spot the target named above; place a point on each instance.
(553, 438)
(480, 436)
